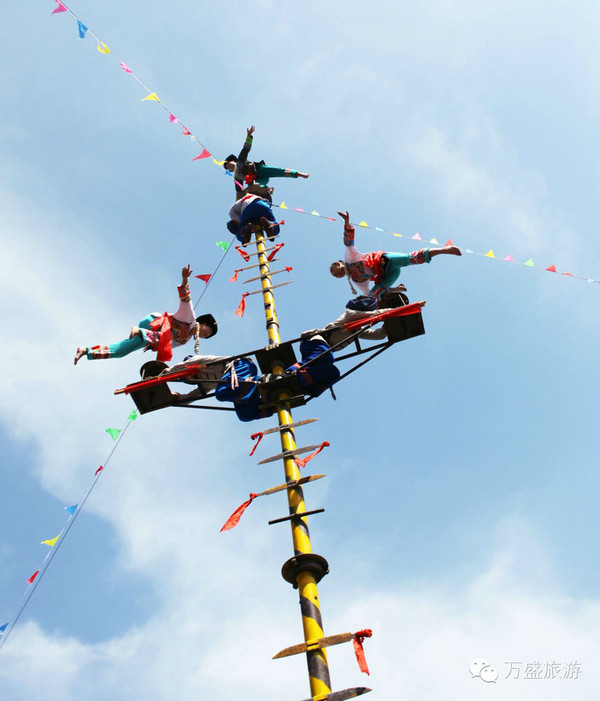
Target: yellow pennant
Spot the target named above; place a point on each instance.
(283, 205)
(490, 254)
(151, 96)
(364, 224)
(219, 163)
(102, 48)
(51, 543)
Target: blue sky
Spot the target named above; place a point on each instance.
(461, 517)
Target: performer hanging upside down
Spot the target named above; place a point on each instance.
(253, 176)
(248, 211)
(159, 332)
(380, 268)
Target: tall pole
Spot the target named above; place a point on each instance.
(305, 567)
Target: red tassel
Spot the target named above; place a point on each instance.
(243, 253)
(274, 251)
(242, 305)
(253, 437)
(302, 462)
(99, 470)
(33, 576)
(235, 274)
(234, 519)
(357, 641)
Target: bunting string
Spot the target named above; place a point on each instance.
(55, 543)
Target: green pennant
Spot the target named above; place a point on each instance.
(133, 416)
(113, 432)
(223, 244)
(529, 263)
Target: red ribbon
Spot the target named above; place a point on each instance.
(253, 437)
(242, 305)
(302, 462)
(235, 274)
(234, 519)
(162, 325)
(274, 251)
(243, 253)
(99, 470)
(357, 641)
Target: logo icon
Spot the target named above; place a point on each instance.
(480, 668)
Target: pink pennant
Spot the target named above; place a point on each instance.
(205, 154)
(204, 278)
(59, 8)
(509, 258)
(299, 210)
(125, 67)
(417, 237)
(172, 118)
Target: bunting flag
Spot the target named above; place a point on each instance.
(490, 254)
(529, 262)
(59, 8)
(102, 48)
(3, 627)
(297, 209)
(314, 213)
(205, 277)
(258, 438)
(204, 154)
(417, 237)
(99, 470)
(364, 225)
(242, 305)
(51, 542)
(133, 416)
(125, 67)
(357, 641)
(224, 245)
(151, 96)
(234, 519)
(283, 205)
(33, 576)
(551, 269)
(449, 243)
(113, 432)
(509, 258)
(172, 118)
(71, 509)
(288, 268)
(301, 462)
(185, 131)
(81, 28)
(243, 253)
(234, 277)
(278, 246)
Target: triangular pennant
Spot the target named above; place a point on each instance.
(568, 274)
(150, 96)
(242, 305)
(184, 131)
(224, 245)
(125, 67)
(99, 470)
(509, 258)
(102, 48)
(315, 213)
(449, 243)
(81, 28)
(283, 205)
(172, 118)
(331, 218)
(417, 237)
(490, 254)
(234, 519)
(33, 576)
(205, 278)
(71, 509)
(204, 154)
(133, 416)
(437, 243)
(218, 163)
(3, 627)
(299, 210)
(59, 8)
(378, 229)
(529, 263)
(113, 432)
(51, 542)
(364, 225)
(551, 269)
(398, 235)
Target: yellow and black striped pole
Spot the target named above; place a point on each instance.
(305, 569)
